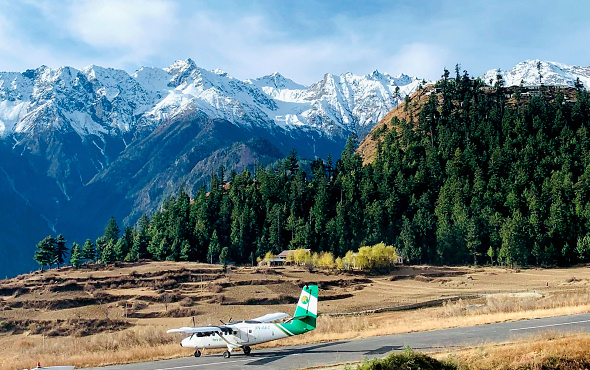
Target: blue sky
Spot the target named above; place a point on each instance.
(301, 39)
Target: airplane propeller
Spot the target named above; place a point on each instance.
(227, 321)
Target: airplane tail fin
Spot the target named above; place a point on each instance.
(307, 306)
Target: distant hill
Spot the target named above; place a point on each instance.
(486, 173)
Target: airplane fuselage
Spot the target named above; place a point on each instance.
(237, 335)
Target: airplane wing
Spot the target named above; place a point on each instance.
(191, 330)
(271, 317)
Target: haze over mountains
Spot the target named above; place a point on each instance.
(79, 146)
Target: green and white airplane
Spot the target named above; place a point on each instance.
(243, 334)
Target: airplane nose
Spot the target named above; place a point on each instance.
(184, 342)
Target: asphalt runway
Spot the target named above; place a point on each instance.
(297, 357)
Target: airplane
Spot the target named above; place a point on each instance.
(243, 334)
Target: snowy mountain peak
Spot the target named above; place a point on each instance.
(181, 66)
(376, 74)
(220, 72)
(536, 72)
(276, 81)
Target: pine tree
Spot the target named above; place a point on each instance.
(108, 253)
(141, 240)
(75, 258)
(214, 247)
(88, 252)
(120, 250)
(60, 250)
(101, 243)
(111, 231)
(45, 254)
(223, 256)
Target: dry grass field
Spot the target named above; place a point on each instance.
(548, 351)
(91, 316)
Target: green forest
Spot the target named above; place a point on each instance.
(481, 175)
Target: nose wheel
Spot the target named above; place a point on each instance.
(247, 350)
(197, 353)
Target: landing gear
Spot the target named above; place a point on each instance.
(226, 354)
(247, 350)
(197, 353)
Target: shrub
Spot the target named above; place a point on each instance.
(405, 361)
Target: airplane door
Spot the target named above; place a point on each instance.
(244, 335)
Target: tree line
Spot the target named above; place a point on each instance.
(479, 175)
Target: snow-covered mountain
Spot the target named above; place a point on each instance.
(537, 72)
(105, 101)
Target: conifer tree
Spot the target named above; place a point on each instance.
(141, 240)
(223, 256)
(88, 253)
(214, 247)
(45, 254)
(111, 231)
(75, 257)
(107, 255)
(60, 250)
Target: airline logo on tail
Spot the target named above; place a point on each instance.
(308, 302)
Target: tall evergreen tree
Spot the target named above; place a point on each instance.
(88, 253)
(45, 254)
(76, 255)
(60, 250)
(112, 231)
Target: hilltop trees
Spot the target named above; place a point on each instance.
(51, 251)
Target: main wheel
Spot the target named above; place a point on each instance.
(197, 353)
(247, 350)
(226, 354)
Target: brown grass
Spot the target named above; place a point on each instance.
(131, 345)
(547, 351)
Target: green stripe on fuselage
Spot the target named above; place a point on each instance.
(300, 326)
(283, 330)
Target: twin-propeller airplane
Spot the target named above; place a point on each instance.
(243, 334)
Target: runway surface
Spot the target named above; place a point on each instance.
(297, 357)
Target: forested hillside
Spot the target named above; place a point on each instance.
(468, 174)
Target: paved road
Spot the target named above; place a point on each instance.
(297, 357)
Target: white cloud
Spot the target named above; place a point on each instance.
(137, 27)
(250, 46)
(420, 60)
